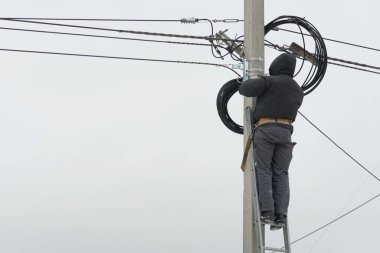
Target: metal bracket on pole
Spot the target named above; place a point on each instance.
(255, 72)
(237, 66)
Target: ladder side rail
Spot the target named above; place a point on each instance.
(260, 246)
(286, 237)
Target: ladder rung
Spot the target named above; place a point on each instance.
(275, 249)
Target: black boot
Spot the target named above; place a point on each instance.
(279, 222)
(267, 217)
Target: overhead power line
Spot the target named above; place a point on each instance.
(184, 43)
(97, 19)
(354, 63)
(347, 66)
(209, 38)
(226, 20)
(336, 41)
(342, 210)
(232, 20)
(339, 147)
(336, 219)
(120, 58)
(105, 37)
(286, 50)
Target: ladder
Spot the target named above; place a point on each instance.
(286, 248)
(258, 225)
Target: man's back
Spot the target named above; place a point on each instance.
(282, 98)
(278, 95)
(278, 99)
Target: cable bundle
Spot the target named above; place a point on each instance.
(224, 95)
(313, 79)
(318, 69)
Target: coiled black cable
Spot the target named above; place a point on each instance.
(224, 95)
(318, 69)
(313, 79)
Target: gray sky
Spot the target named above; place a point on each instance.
(122, 156)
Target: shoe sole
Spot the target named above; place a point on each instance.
(276, 227)
(267, 222)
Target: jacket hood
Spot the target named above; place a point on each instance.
(283, 64)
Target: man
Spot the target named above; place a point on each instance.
(278, 100)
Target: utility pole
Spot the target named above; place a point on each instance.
(254, 68)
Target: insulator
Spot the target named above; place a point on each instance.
(189, 20)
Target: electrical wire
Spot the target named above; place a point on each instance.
(337, 41)
(97, 19)
(208, 20)
(182, 43)
(176, 20)
(227, 20)
(120, 58)
(304, 52)
(105, 37)
(208, 38)
(339, 147)
(343, 208)
(317, 74)
(353, 63)
(102, 36)
(285, 49)
(353, 159)
(213, 46)
(347, 66)
(336, 219)
(333, 221)
(211, 38)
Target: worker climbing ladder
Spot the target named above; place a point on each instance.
(252, 57)
(258, 226)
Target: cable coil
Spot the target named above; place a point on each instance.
(313, 79)
(224, 95)
(318, 69)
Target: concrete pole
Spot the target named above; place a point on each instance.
(254, 53)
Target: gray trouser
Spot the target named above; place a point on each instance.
(272, 147)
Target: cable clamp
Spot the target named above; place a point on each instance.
(259, 59)
(237, 66)
(255, 72)
(255, 69)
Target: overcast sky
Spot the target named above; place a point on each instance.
(101, 155)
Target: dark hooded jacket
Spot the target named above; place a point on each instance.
(278, 95)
